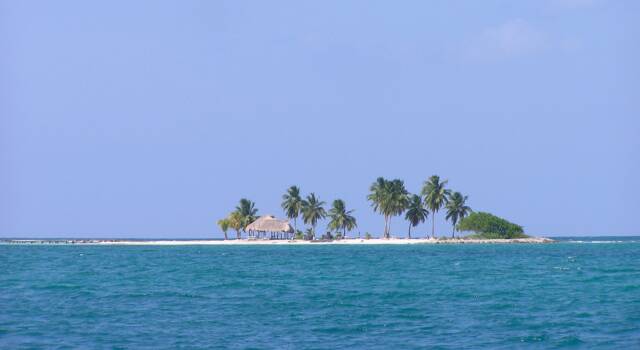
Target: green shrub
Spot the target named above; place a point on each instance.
(299, 235)
(488, 226)
(309, 235)
(367, 235)
(492, 235)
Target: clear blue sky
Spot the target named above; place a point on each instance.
(153, 118)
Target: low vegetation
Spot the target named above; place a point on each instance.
(488, 226)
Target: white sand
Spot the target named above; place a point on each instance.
(373, 241)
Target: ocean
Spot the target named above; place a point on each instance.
(579, 293)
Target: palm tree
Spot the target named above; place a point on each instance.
(224, 226)
(341, 218)
(236, 223)
(396, 202)
(376, 197)
(312, 211)
(389, 198)
(292, 204)
(435, 196)
(457, 209)
(247, 211)
(416, 213)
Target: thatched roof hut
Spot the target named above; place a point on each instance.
(269, 223)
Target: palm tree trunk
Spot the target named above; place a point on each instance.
(389, 228)
(433, 225)
(384, 233)
(295, 224)
(409, 230)
(453, 231)
(386, 226)
(225, 235)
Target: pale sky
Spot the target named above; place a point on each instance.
(153, 118)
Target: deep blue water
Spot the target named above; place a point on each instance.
(565, 295)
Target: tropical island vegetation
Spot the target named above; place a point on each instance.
(489, 226)
(387, 197)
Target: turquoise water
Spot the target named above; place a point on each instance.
(565, 295)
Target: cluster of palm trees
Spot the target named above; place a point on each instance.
(388, 197)
(312, 210)
(244, 214)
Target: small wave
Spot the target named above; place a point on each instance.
(59, 286)
(602, 242)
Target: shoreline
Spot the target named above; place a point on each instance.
(347, 241)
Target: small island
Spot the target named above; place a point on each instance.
(389, 198)
(268, 230)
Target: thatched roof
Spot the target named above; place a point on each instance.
(268, 223)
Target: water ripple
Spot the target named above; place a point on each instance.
(321, 297)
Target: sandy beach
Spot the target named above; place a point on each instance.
(348, 241)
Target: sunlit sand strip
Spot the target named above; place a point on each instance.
(348, 241)
(351, 241)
